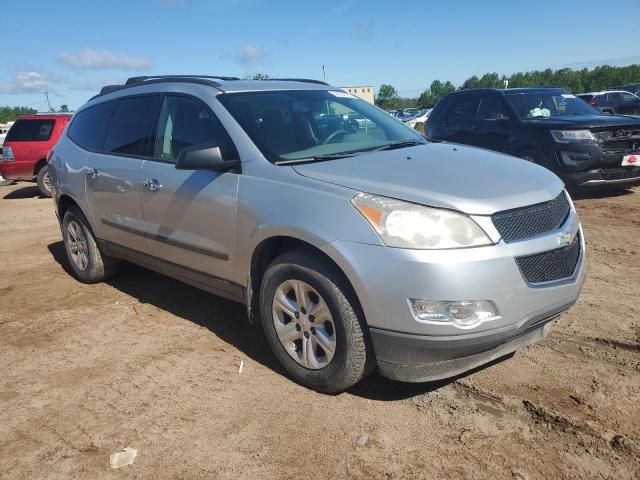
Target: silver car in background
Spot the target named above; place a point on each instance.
(356, 244)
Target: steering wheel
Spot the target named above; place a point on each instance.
(333, 135)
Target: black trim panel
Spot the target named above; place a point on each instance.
(201, 280)
(167, 240)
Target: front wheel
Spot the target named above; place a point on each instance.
(310, 319)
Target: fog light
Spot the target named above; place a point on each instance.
(460, 313)
(575, 158)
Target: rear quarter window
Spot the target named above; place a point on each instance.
(128, 132)
(30, 131)
(89, 126)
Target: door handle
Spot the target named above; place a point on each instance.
(93, 173)
(153, 185)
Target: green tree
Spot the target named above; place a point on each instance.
(8, 114)
(388, 97)
(64, 108)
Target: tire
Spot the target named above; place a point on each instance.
(44, 181)
(352, 357)
(86, 262)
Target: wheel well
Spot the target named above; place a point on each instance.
(64, 204)
(267, 251)
(38, 166)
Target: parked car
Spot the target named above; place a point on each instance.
(614, 102)
(255, 191)
(3, 133)
(547, 126)
(406, 114)
(420, 118)
(25, 149)
(629, 87)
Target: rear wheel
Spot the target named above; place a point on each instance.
(310, 319)
(88, 264)
(44, 181)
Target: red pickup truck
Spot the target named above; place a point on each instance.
(26, 147)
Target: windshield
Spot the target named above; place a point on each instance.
(307, 124)
(549, 105)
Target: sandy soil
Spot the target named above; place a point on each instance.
(149, 363)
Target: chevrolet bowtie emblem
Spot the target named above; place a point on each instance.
(566, 238)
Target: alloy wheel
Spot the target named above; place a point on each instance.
(77, 245)
(304, 324)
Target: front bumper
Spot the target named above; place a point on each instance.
(411, 350)
(604, 177)
(418, 358)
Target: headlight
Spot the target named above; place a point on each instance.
(568, 136)
(407, 225)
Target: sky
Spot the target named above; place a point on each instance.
(71, 48)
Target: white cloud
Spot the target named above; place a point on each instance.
(27, 82)
(103, 59)
(250, 56)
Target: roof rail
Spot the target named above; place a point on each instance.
(306, 80)
(146, 78)
(53, 113)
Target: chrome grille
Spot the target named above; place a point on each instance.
(525, 222)
(550, 266)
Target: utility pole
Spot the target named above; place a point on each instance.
(324, 74)
(46, 94)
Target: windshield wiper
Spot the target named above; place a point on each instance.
(400, 144)
(317, 158)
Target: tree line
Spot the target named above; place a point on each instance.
(9, 114)
(576, 81)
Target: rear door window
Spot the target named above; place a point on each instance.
(492, 108)
(464, 109)
(89, 126)
(129, 131)
(30, 131)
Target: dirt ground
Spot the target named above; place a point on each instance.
(149, 363)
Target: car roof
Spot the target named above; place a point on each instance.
(511, 91)
(602, 92)
(221, 83)
(45, 116)
(267, 85)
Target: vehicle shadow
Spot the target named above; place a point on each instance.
(31, 191)
(598, 193)
(228, 321)
(376, 387)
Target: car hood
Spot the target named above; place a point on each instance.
(585, 121)
(470, 180)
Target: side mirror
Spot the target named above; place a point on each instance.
(201, 157)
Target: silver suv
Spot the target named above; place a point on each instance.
(355, 241)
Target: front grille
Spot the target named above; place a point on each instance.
(620, 173)
(620, 140)
(554, 265)
(525, 222)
